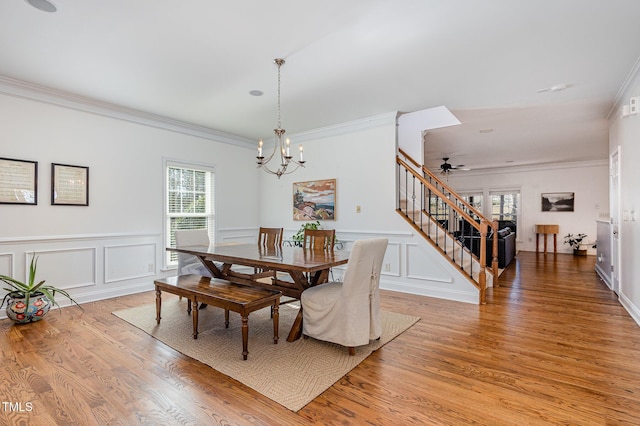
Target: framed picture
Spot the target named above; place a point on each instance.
(69, 185)
(18, 181)
(557, 201)
(314, 200)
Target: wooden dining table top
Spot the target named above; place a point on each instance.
(280, 258)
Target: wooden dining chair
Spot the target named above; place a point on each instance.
(319, 239)
(270, 237)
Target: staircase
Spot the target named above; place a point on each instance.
(445, 220)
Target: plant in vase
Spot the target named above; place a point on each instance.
(575, 241)
(298, 237)
(30, 301)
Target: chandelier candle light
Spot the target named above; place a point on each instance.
(280, 146)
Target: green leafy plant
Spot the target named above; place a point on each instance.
(575, 241)
(18, 289)
(299, 236)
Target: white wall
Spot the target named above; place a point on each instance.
(625, 133)
(361, 157)
(113, 246)
(589, 182)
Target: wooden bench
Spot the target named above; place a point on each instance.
(223, 294)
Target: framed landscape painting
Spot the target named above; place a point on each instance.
(558, 201)
(314, 200)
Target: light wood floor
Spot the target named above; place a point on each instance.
(552, 346)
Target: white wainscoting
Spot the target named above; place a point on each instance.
(6, 264)
(129, 261)
(65, 268)
(89, 267)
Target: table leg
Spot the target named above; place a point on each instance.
(555, 243)
(537, 241)
(276, 321)
(245, 336)
(545, 243)
(158, 304)
(226, 318)
(296, 328)
(195, 319)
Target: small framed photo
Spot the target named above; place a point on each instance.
(18, 181)
(69, 185)
(558, 201)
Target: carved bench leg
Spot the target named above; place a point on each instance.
(245, 336)
(195, 319)
(158, 304)
(276, 321)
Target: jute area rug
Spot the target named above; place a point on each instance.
(291, 374)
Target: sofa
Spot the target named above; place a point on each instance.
(506, 246)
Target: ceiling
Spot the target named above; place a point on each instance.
(197, 60)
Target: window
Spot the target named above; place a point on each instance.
(474, 200)
(504, 208)
(189, 202)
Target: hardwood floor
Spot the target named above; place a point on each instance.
(552, 346)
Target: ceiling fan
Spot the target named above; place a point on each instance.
(446, 168)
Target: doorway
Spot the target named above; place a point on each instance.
(614, 194)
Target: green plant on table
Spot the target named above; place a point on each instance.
(299, 236)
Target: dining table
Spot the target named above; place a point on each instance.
(290, 270)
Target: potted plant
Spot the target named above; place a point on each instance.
(299, 236)
(575, 241)
(30, 301)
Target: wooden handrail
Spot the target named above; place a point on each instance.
(409, 158)
(444, 185)
(482, 227)
(436, 191)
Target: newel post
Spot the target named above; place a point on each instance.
(482, 276)
(494, 253)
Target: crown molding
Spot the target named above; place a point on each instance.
(633, 78)
(388, 118)
(23, 89)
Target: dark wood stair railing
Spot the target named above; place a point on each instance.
(446, 220)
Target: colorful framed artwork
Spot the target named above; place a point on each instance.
(18, 181)
(558, 201)
(314, 200)
(69, 185)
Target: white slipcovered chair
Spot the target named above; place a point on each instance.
(188, 264)
(348, 313)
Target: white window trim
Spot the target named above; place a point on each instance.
(170, 162)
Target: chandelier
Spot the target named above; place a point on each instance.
(281, 146)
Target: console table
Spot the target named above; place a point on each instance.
(546, 230)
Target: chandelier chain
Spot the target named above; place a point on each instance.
(281, 146)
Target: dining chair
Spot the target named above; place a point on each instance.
(270, 237)
(319, 239)
(188, 264)
(348, 312)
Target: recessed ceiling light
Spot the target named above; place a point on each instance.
(559, 87)
(555, 88)
(43, 5)
(256, 93)
(485, 130)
